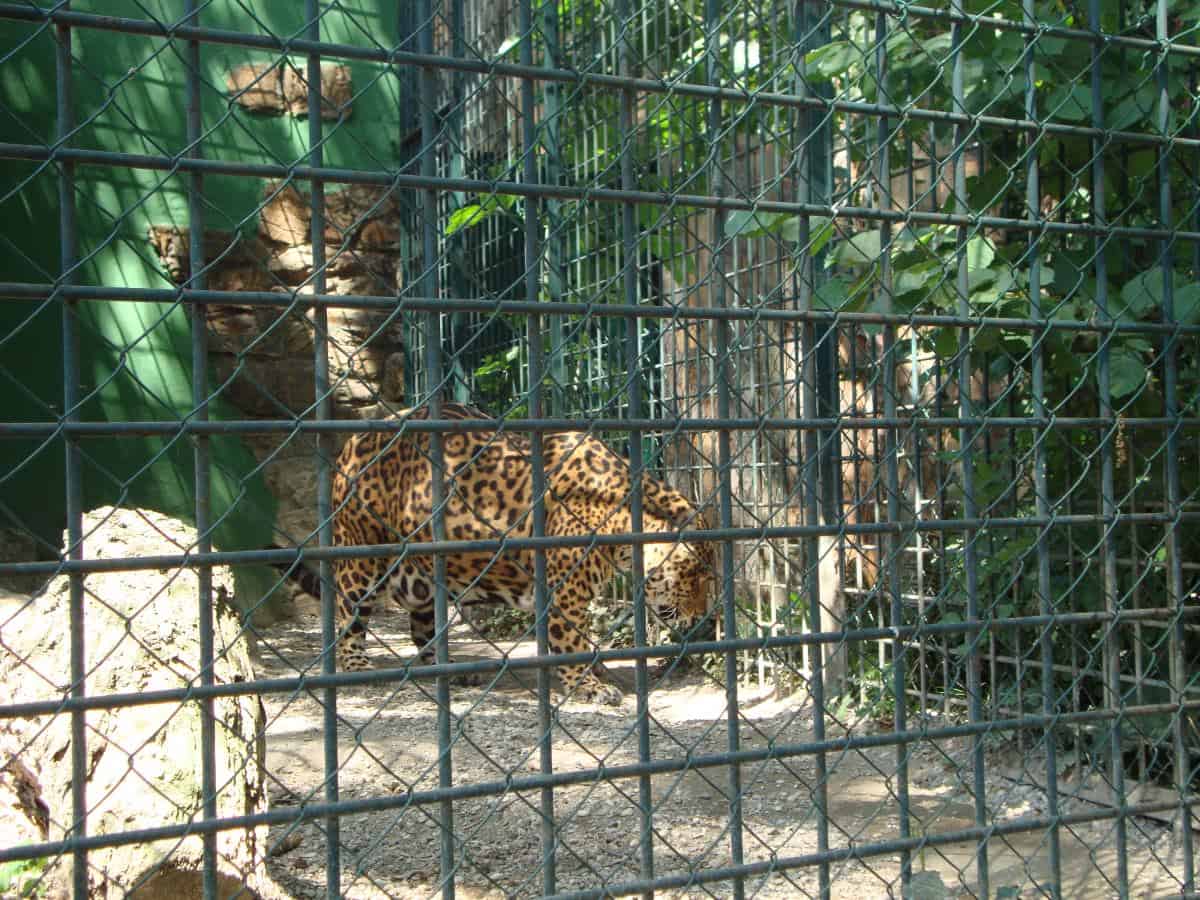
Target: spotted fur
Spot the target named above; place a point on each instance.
(383, 493)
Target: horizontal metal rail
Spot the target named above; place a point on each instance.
(400, 180)
(689, 762)
(449, 426)
(952, 15)
(497, 545)
(151, 28)
(975, 834)
(395, 57)
(399, 674)
(289, 299)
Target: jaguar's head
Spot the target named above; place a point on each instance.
(679, 577)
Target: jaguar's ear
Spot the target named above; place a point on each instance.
(705, 519)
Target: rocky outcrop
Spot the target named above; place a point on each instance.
(279, 88)
(264, 355)
(144, 762)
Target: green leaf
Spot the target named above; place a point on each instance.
(1137, 107)
(465, 217)
(989, 286)
(829, 61)
(857, 250)
(830, 295)
(820, 230)
(945, 342)
(1070, 102)
(980, 253)
(1142, 294)
(1187, 304)
(1051, 46)
(786, 226)
(1126, 372)
(1067, 277)
(473, 213)
(21, 877)
(939, 45)
(986, 190)
(986, 339)
(510, 43)
(1067, 310)
(750, 223)
(1141, 163)
(915, 277)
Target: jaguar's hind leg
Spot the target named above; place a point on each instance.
(412, 588)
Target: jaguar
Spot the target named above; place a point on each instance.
(383, 493)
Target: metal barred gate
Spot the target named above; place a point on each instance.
(903, 298)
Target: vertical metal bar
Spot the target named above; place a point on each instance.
(324, 408)
(940, 475)
(918, 478)
(1112, 600)
(812, 32)
(460, 382)
(1170, 348)
(966, 438)
(723, 375)
(629, 275)
(200, 443)
(533, 333)
(890, 544)
(555, 246)
(1195, 133)
(1046, 604)
(1136, 575)
(433, 385)
(68, 238)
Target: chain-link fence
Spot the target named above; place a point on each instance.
(583, 448)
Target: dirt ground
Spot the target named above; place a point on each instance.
(388, 744)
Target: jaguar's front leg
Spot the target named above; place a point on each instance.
(355, 579)
(573, 581)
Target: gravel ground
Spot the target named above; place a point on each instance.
(388, 744)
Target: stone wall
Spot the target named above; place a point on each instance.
(265, 355)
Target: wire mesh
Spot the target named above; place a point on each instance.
(881, 318)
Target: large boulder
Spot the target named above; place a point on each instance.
(144, 762)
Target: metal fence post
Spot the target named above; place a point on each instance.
(966, 441)
(813, 188)
(892, 542)
(556, 251)
(1113, 602)
(434, 385)
(1046, 601)
(534, 335)
(68, 236)
(632, 356)
(322, 391)
(199, 317)
(1176, 597)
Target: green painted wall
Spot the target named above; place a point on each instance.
(130, 96)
